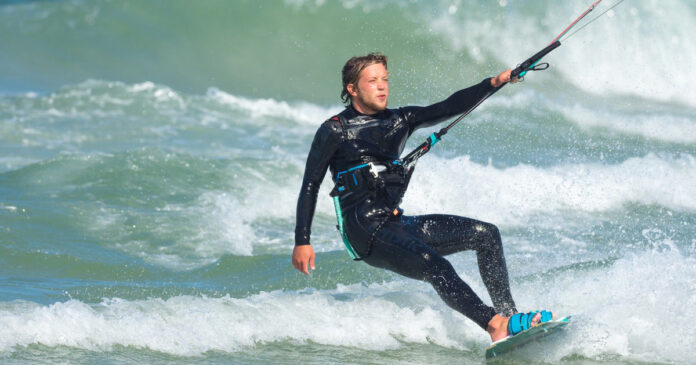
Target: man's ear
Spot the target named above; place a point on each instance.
(351, 89)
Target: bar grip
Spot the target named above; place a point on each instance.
(531, 61)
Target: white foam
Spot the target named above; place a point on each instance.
(15, 162)
(635, 308)
(10, 208)
(161, 94)
(94, 100)
(231, 223)
(97, 98)
(354, 316)
(632, 308)
(674, 126)
(642, 49)
(235, 223)
(217, 224)
(658, 126)
(301, 112)
(516, 194)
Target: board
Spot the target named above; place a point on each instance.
(507, 344)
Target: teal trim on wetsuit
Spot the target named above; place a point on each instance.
(403, 244)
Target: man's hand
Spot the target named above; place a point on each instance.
(503, 78)
(303, 256)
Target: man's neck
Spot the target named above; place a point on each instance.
(363, 109)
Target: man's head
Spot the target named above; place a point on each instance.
(366, 83)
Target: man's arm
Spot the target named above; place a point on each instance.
(458, 103)
(324, 146)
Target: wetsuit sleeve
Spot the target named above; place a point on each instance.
(459, 102)
(323, 148)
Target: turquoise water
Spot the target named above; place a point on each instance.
(151, 154)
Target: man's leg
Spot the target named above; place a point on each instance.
(448, 234)
(399, 251)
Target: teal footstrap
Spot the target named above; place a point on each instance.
(523, 321)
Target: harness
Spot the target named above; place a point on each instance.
(364, 181)
(341, 190)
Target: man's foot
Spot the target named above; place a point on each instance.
(498, 326)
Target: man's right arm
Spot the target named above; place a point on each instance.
(324, 146)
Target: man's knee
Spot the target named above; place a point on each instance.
(484, 228)
(488, 234)
(437, 266)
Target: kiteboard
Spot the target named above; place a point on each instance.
(510, 343)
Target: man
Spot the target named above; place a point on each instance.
(361, 146)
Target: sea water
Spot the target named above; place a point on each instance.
(151, 154)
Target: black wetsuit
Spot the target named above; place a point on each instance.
(411, 246)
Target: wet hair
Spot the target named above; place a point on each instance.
(353, 67)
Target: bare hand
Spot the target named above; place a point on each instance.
(303, 256)
(503, 78)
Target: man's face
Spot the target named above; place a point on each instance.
(371, 94)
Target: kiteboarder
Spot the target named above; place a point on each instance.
(361, 146)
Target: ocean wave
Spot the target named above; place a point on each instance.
(640, 48)
(187, 325)
(668, 127)
(515, 195)
(607, 319)
(302, 112)
(653, 121)
(612, 321)
(609, 57)
(109, 116)
(184, 211)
